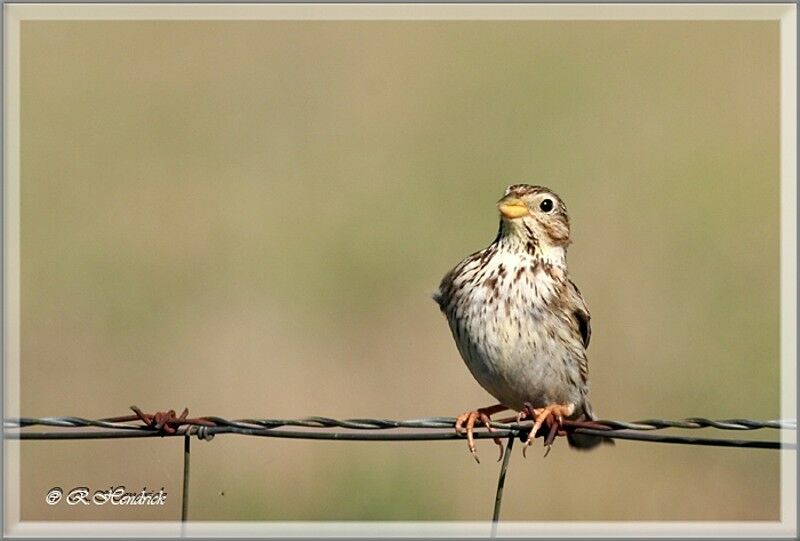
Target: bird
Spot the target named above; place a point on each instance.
(520, 323)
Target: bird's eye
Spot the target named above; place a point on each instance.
(546, 205)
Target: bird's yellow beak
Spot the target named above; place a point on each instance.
(511, 207)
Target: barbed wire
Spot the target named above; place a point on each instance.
(364, 429)
(168, 423)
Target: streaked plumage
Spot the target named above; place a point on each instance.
(519, 322)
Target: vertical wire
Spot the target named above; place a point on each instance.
(501, 481)
(187, 439)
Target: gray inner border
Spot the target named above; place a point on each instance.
(220, 529)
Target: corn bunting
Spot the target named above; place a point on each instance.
(519, 322)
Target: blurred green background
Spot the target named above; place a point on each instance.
(248, 219)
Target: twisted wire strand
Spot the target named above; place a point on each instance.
(382, 424)
(164, 424)
(359, 429)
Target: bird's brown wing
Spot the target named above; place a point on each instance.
(581, 314)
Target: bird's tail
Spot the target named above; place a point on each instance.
(586, 442)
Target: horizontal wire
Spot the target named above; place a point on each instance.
(377, 424)
(208, 427)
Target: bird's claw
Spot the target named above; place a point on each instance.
(553, 415)
(465, 423)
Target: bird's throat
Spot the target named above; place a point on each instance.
(518, 238)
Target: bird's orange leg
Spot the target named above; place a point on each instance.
(470, 417)
(553, 415)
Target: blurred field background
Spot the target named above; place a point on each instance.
(248, 219)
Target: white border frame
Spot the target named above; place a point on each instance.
(785, 13)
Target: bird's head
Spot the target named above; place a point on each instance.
(534, 216)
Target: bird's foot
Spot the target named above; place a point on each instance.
(552, 415)
(465, 423)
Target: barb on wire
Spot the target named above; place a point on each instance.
(168, 423)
